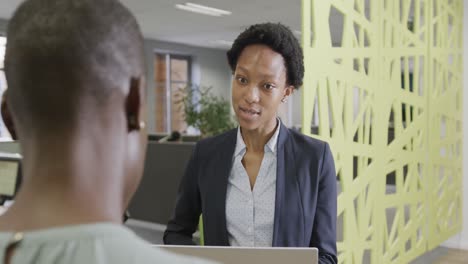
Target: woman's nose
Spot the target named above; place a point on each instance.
(252, 94)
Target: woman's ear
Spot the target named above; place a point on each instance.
(289, 90)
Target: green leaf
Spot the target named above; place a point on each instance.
(208, 113)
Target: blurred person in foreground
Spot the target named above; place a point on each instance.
(76, 76)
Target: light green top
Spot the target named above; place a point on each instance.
(101, 243)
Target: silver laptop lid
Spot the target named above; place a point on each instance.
(248, 255)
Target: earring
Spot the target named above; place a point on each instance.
(284, 100)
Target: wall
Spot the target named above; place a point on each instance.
(3, 25)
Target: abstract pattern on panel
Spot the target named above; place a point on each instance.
(383, 86)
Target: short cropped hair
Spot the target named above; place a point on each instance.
(279, 38)
(60, 52)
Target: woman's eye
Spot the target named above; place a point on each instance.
(268, 86)
(242, 80)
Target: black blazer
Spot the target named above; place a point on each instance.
(305, 207)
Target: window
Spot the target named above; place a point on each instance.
(172, 73)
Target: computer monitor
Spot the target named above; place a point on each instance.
(10, 175)
(155, 199)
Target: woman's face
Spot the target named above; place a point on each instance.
(258, 86)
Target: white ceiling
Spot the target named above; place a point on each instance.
(162, 21)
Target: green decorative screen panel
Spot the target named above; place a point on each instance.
(445, 119)
(383, 86)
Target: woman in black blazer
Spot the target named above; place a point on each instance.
(261, 184)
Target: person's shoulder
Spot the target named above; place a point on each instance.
(5, 238)
(92, 244)
(152, 254)
(218, 139)
(209, 145)
(133, 249)
(306, 142)
(308, 149)
(138, 251)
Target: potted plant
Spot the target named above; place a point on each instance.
(210, 114)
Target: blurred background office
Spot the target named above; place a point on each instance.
(384, 85)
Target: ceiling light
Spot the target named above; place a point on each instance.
(205, 10)
(210, 9)
(223, 42)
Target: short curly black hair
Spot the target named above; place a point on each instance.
(279, 38)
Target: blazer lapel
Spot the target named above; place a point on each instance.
(217, 194)
(288, 227)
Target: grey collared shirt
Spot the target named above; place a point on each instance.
(96, 243)
(250, 213)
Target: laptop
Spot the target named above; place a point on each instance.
(248, 255)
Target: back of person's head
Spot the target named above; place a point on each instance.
(277, 37)
(61, 52)
(75, 70)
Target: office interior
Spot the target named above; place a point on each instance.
(188, 49)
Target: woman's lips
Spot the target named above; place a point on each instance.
(248, 113)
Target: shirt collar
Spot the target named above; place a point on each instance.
(271, 145)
